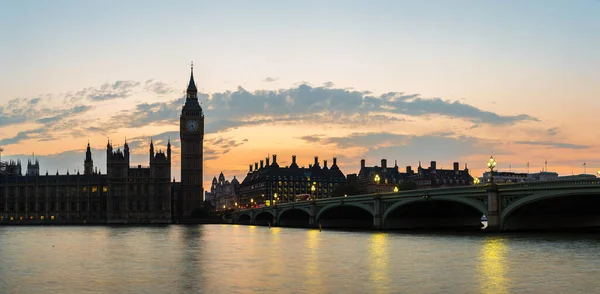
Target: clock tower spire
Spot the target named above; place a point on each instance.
(191, 132)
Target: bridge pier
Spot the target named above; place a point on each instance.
(494, 209)
(377, 215)
(312, 221)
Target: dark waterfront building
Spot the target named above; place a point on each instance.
(386, 179)
(268, 183)
(124, 194)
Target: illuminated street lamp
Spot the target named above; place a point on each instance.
(396, 189)
(377, 179)
(599, 173)
(223, 206)
(312, 189)
(274, 198)
(476, 181)
(491, 164)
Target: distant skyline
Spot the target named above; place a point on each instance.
(402, 80)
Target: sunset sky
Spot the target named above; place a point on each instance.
(404, 80)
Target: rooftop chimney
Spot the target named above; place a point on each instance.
(267, 161)
(293, 159)
(456, 166)
(334, 161)
(324, 163)
(261, 164)
(316, 161)
(362, 163)
(433, 165)
(384, 163)
(409, 170)
(250, 167)
(256, 166)
(274, 158)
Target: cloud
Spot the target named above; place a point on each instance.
(66, 113)
(149, 113)
(116, 90)
(407, 149)
(306, 104)
(158, 87)
(24, 135)
(270, 79)
(552, 131)
(553, 144)
(218, 146)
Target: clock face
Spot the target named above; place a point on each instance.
(192, 125)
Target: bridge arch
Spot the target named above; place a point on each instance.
(345, 215)
(327, 207)
(461, 213)
(294, 217)
(264, 216)
(479, 206)
(508, 211)
(244, 218)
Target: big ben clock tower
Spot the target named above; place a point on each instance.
(191, 132)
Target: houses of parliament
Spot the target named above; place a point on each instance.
(125, 194)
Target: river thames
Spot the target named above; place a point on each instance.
(250, 259)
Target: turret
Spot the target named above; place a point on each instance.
(88, 164)
(169, 150)
(151, 150)
(126, 150)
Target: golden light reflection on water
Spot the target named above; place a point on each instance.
(379, 257)
(312, 257)
(492, 266)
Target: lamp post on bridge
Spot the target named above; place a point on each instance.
(312, 191)
(377, 179)
(491, 164)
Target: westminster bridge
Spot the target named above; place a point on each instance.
(515, 206)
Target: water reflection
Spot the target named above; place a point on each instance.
(313, 279)
(492, 266)
(379, 257)
(190, 261)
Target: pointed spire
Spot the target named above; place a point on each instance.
(192, 91)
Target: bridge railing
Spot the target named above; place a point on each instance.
(476, 189)
(550, 184)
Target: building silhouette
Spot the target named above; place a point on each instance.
(268, 183)
(125, 194)
(223, 193)
(372, 179)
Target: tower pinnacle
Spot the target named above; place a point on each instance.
(192, 91)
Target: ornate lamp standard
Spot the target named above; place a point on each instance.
(274, 199)
(396, 189)
(476, 181)
(312, 190)
(491, 165)
(377, 179)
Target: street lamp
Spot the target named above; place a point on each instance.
(274, 198)
(377, 179)
(396, 189)
(491, 164)
(312, 189)
(476, 181)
